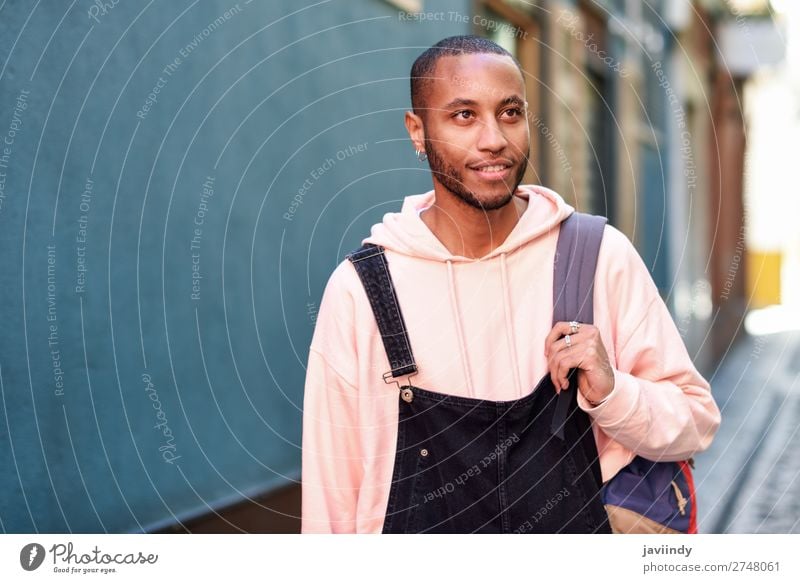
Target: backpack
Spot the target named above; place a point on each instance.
(645, 496)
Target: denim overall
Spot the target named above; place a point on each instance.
(467, 465)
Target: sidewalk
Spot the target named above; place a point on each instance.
(748, 481)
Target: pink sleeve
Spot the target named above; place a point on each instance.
(661, 407)
(331, 455)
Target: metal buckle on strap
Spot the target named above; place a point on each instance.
(406, 394)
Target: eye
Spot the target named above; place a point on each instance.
(464, 114)
(514, 111)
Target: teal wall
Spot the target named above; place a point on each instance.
(135, 393)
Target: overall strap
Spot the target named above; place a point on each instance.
(573, 285)
(372, 268)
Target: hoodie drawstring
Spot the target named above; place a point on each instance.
(454, 306)
(510, 338)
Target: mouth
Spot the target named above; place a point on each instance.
(493, 172)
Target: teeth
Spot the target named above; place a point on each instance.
(492, 168)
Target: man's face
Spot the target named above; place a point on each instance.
(476, 132)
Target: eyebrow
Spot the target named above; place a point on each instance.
(462, 102)
(513, 100)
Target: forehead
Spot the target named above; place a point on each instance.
(483, 77)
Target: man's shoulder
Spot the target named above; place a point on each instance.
(620, 262)
(343, 282)
(616, 240)
(614, 244)
(342, 278)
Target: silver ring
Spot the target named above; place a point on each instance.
(568, 340)
(574, 327)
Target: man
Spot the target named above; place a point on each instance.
(464, 445)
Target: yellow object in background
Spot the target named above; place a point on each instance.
(764, 278)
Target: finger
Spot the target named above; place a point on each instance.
(553, 366)
(567, 360)
(563, 370)
(558, 343)
(558, 354)
(559, 329)
(559, 364)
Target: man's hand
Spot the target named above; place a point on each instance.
(586, 353)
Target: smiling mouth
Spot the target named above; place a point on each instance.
(493, 172)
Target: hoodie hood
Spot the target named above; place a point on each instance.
(406, 233)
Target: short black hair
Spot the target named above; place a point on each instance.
(423, 68)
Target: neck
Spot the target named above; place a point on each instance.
(469, 231)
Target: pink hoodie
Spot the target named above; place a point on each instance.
(477, 329)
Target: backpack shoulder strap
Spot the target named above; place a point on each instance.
(574, 266)
(372, 268)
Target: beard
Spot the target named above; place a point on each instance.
(452, 179)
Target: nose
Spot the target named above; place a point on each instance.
(491, 137)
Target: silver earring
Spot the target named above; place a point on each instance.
(421, 155)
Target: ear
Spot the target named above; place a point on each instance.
(416, 130)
